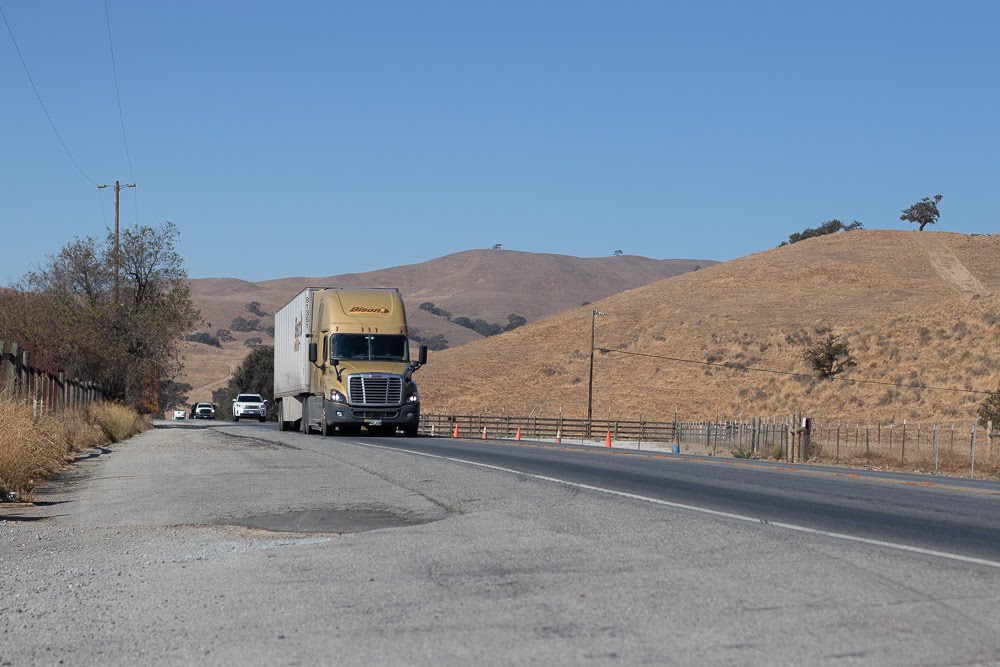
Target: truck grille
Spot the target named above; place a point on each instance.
(375, 389)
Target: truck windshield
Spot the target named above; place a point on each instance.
(364, 347)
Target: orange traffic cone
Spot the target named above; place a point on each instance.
(484, 433)
(607, 439)
(558, 436)
(517, 436)
(455, 433)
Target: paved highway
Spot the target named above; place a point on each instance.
(237, 544)
(952, 516)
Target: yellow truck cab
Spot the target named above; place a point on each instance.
(342, 362)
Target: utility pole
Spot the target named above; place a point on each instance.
(118, 187)
(590, 383)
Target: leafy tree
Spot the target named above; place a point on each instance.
(203, 337)
(171, 394)
(617, 253)
(989, 411)
(243, 324)
(224, 336)
(434, 310)
(828, 227)
(223, 405)
(924, 212)
(514, 321)
(255, 375)
(435, 342)
(255, 341)
(479, 325)
(829, 356)
(128, 345)
(254, 308)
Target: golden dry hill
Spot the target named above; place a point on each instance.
(916, 308)
(484, 284)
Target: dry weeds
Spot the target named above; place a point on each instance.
(35, 447)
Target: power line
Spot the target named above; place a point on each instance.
(38, 95)
(118, 95)
(734, 367)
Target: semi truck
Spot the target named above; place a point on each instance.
(342, 363)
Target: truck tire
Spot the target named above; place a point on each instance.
(328, 428)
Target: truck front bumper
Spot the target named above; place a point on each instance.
(407, 414)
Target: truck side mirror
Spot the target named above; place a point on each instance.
(422, 355)
(312, 352)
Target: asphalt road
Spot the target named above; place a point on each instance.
(955, 516)
(239, 544)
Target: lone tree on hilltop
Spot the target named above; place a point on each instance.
(829, 356)
(924, 212)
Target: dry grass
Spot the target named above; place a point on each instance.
(907, 320)
(35, 447)
(30, 448)
(117, 421)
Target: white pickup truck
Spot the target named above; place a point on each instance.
(249, 405)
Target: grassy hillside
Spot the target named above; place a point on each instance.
(916, 308)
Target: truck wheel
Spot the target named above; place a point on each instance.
(328, 428)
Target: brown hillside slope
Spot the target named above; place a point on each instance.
(487, 284)
(917, 308)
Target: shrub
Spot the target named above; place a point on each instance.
(829, 356)
(205, 338)
(117, 421)
(989, 411)
(30, 448)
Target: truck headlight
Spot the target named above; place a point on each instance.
(413, 396)
(337, 397)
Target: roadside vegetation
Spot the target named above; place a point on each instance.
(255, 375)
(119, 328)
(33, 448)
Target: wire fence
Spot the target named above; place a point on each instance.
(959, 448)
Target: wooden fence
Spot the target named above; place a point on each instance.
(29, 375)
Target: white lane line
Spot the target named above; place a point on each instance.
(703, 510)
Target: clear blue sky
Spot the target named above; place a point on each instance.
(316, 138)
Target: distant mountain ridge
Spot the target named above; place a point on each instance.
(478, 284)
